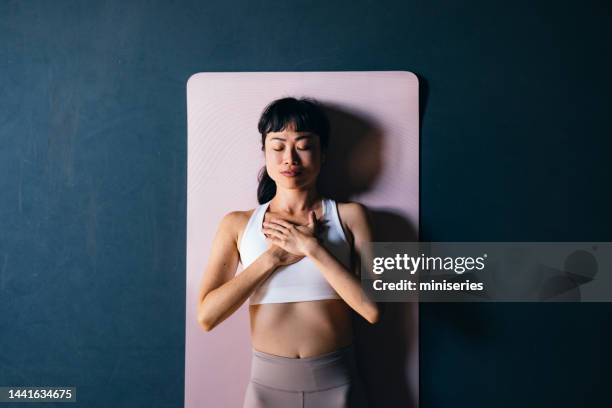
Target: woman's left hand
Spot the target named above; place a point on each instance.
(296, 239)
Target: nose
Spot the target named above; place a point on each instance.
(290, 156)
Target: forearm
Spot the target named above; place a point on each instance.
(221, 302)
(344, 282)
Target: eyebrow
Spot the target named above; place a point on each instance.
(308, 136)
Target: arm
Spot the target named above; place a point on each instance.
(347, 284)
(222, 293)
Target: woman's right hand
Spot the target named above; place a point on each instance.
(283, 257)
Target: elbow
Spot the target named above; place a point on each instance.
(206, 324)
(205, 321)
(373, 318)
(373, 315)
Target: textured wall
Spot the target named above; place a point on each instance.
(514, 146)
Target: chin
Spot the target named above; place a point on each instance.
(293, 186)
(291, 182)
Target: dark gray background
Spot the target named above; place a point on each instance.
(515, 143)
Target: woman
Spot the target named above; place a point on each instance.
(300, 254)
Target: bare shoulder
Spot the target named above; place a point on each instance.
(354, 218)
(234, 222)
(235, 218)
(353, 213)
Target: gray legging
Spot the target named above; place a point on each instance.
(325, 381)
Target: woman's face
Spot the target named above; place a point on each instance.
(293, 159)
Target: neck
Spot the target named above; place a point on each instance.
(295, 201)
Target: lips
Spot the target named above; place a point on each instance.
(290, 173)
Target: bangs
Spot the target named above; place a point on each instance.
(299, 115)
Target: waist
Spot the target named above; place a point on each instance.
(290, 329)
(314, 373)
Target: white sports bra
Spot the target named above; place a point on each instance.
(300, 281)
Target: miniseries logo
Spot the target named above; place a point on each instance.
(413, 264)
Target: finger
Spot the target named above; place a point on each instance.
(273, 241)
(282, 222)
(272, 225)
(273, 233)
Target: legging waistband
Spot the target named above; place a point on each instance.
(304, 374)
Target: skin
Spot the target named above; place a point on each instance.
(296, 329)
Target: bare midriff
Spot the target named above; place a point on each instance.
(301, 329)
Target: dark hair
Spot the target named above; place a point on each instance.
(306, 115)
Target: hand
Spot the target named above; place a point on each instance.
(295, 239)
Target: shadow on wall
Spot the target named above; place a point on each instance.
(383, 350)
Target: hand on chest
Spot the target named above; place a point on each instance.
(320, 228)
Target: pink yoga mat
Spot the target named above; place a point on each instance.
(374, 159)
